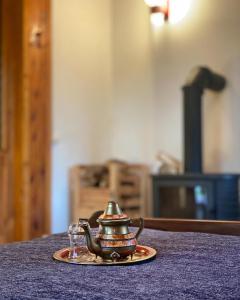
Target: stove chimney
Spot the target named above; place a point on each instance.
(199, 79)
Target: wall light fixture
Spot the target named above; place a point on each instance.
(168, 10)
(159, 10)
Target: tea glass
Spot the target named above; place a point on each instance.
(76, 235)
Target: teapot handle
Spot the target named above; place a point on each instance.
(140, 223)
(93, 219)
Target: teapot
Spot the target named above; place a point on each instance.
(113, 241)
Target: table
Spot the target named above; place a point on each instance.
(187, 266)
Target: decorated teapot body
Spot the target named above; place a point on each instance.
(113, 241)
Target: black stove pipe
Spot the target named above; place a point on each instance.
(200, 78)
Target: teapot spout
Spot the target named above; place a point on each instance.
(92, 244)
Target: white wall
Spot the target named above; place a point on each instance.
(150, 67)
(133, 82)
(117, 85)
(207, 36)
(81, 78)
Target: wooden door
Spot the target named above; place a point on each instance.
(25, 98)
(2, 196)
(6, 206)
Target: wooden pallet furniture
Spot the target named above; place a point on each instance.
(127, 182)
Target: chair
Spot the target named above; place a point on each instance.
(184, 225)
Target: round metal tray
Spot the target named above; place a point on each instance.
(142, 253)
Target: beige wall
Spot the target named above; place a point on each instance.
(133, 89)
(117, 85)
(207, 36)
(150, 67)
(81, 77)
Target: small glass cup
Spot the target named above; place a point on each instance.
(76, 235)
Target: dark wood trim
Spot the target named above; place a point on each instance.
(204, 226)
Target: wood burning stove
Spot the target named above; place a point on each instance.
(195, 194)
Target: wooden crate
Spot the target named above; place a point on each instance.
(127, 182)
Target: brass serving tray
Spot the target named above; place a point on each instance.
(142, 253)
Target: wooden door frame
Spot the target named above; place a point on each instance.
(27, 95)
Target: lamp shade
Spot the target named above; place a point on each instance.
(157, 19)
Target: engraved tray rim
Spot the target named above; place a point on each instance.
(136, 259)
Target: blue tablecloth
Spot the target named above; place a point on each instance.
(187, 266)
